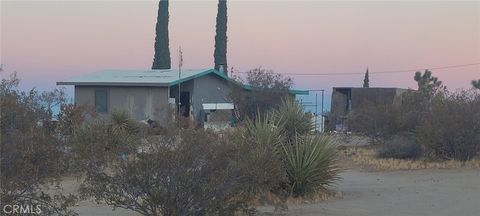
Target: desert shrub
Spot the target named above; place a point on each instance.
(193, 172)
(451, 128)
(311, 164)
(263, 141)
(260, 91)
(71, 117)
(400, 147)
(376, 121)
(31, 156)
(101, 142)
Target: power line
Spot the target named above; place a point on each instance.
(376, 72)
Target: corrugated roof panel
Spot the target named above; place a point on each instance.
(136, 77)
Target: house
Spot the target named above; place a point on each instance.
(199, 94)
(347, 99)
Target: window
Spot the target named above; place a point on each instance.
(101, 100)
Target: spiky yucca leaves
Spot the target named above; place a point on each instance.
(263, 141)
(264, 133)
(121, 122)
(102, 142)
(310, 161)
(292, 119)
(311, 164)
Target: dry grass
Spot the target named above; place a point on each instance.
(365, 157)
(270, 199)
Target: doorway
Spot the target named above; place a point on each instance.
(185, 103)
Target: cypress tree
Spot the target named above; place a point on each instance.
(476, 84)
(366, 80)
(161, 60)
(220, 53)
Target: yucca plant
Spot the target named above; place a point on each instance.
(121, 122)
(263, 133)
(311, 164)
(292, 119)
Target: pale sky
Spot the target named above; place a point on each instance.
(47, 41)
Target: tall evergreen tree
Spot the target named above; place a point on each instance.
(366, 80)
(161, 60)
(476, 84)
(220, 54)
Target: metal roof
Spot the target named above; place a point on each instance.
(291, 91)
(166, 77)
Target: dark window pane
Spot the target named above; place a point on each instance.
(101, 100)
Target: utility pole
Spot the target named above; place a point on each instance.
(180, 64)
(316, 111)
(323, 120)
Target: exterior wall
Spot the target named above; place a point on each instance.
(205, 89)
(85, 96)
(152, 102)
(141, 102)
(368, 96)
(339, 108)
(347, 99)
(209, 89)
(339, 102)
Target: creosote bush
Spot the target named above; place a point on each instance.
(444, 125)
(31, 153)
(187, 172)
(400, 147)
(451, 129)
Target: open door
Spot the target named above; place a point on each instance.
(185, 103)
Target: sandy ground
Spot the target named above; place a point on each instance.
(422, 192)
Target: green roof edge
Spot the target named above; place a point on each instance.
(209, 71)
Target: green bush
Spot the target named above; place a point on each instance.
(400, 147)
(311, 164)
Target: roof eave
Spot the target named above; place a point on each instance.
(198, 76)
(111, 84)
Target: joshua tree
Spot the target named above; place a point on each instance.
(428, 84)
(476, 84)
(161, 60)
(220, 53)
(366, 81)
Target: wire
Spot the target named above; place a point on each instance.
(376, 72)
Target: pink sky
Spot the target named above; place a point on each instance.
(47, 41)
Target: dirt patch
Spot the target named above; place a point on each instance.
(420, 192)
